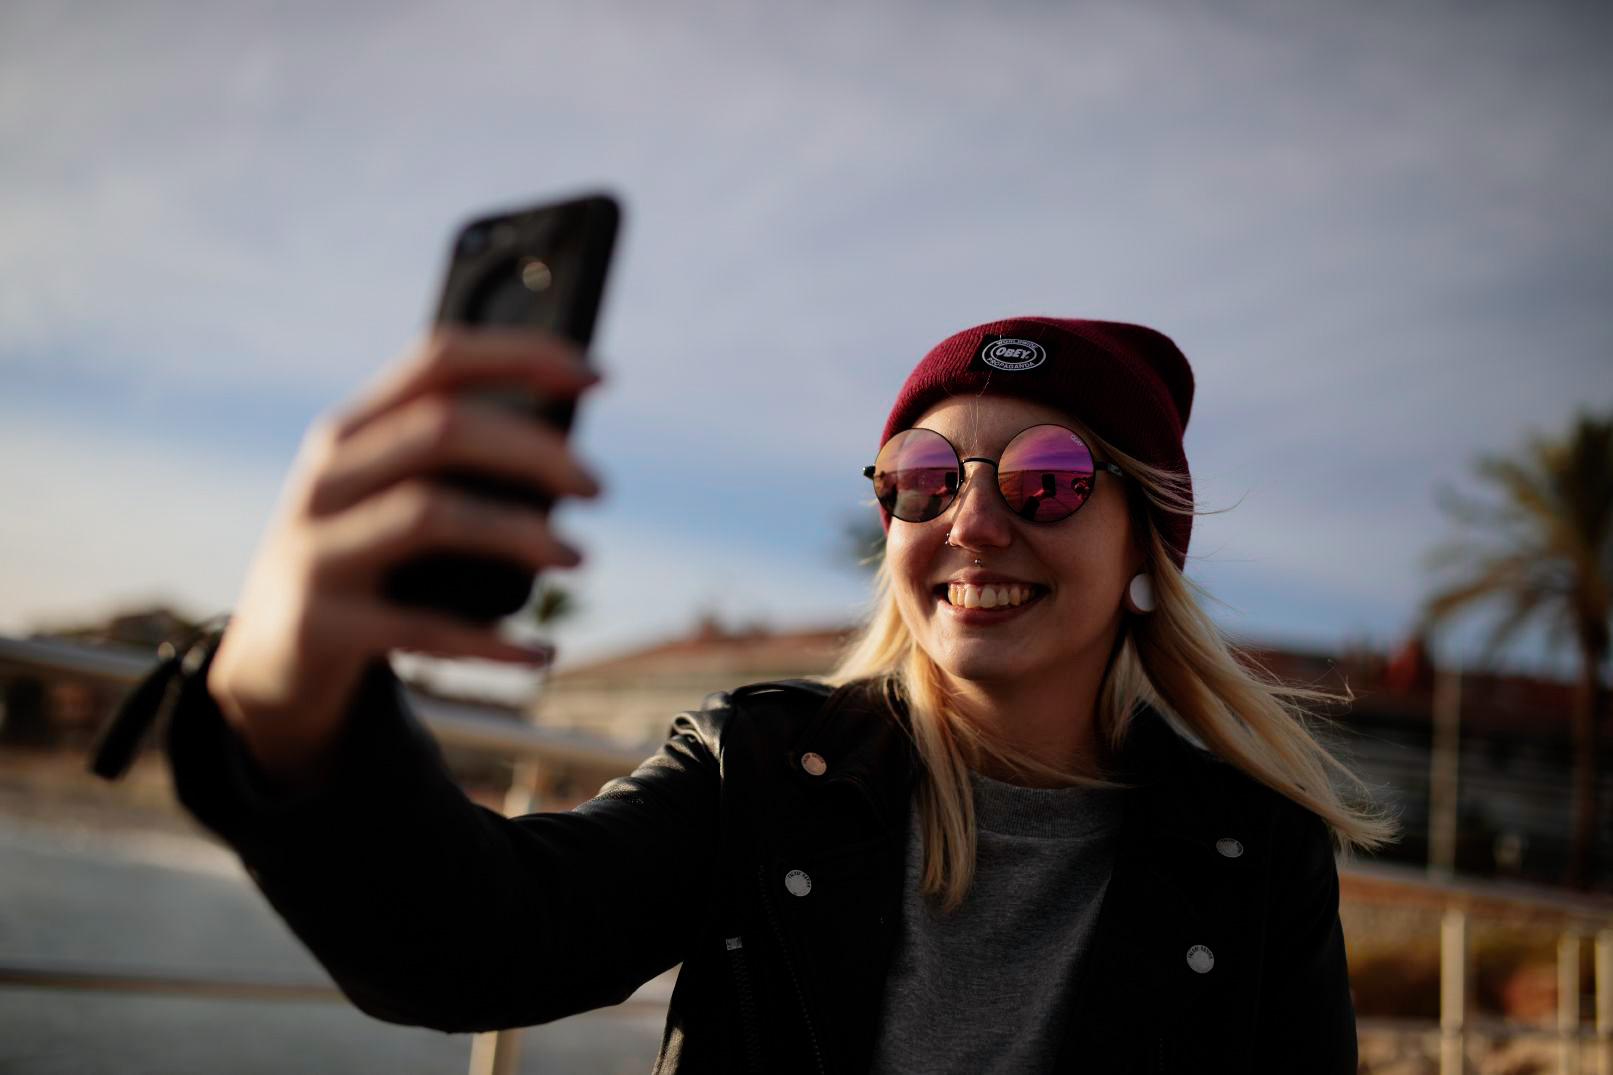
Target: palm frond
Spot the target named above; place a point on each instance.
(552, 603)
(1525, 605)
(1538, 543)
(1492, 580)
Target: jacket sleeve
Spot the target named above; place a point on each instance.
(1307, 1019)
(428, 909)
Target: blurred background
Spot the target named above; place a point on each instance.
(1381, 233)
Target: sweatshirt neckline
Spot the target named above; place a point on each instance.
(1068, 813)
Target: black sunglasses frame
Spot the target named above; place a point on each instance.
(963, 475)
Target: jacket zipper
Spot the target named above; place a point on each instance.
(747, 1002)
(789, 965)
(1161, 1068)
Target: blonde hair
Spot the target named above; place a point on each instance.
(1174, 659)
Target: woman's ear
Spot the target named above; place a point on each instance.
(1139, 596)
(1142, 530)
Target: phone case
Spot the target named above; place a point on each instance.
(542, 267)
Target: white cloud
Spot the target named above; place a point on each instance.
(1369, 230)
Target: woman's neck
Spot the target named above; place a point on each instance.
(1050, 721)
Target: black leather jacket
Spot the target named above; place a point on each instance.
(1218, 947)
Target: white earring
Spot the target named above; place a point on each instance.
(1140, 594)
(947, 541)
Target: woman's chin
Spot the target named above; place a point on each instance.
(981, 666)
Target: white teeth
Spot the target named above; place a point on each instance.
(968, 595)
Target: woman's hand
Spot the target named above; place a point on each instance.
(359, 500)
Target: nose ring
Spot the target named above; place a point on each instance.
(947, 541)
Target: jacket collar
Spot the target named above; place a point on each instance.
(861, 735)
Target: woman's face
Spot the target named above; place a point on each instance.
(1074, 571)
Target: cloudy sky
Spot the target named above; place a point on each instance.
(1381, 232)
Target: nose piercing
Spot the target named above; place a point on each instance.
(947, 541)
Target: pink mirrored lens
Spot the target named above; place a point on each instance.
(916, 475)
(1045, 473)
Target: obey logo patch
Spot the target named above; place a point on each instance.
(1008, 353)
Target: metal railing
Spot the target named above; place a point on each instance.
(482, 728)
(1576, 918)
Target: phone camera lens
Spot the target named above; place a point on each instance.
(535, 275)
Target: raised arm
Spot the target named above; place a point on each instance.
(430, 910)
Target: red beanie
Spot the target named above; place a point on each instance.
(1130, 385)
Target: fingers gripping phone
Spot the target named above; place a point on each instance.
(542, 267)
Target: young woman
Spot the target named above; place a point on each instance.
(1041, 818)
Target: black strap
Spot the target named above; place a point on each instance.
(154, 696)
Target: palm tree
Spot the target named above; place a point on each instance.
(551, 603)
(1541, 549)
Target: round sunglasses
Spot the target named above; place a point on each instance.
(1044, 474)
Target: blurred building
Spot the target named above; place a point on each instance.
(1514, 753)
(63, 711)
(631, 698)
(1514, 811)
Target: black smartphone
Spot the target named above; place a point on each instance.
(540, 267)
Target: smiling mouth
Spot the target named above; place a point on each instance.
(995, 595)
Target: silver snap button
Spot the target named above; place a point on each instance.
(1229, 847)
(814, 763)
(798, 882)
(1200, 958)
